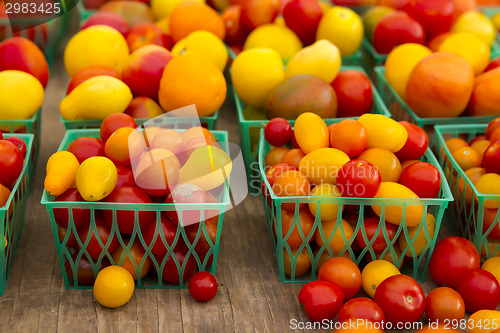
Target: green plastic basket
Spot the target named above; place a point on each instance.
(13, 213)
(30, 126)
(84, 12)
(250, 129)
(71, 257)
(416, 266)
(467, 212)
(401, 111)
(490, 11)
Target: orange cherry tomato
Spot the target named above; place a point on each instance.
(291, 183)
(305, 222)
(344, 273)
(293, 157)
(387, 163)
(349, 136)
(302, 264)
(274, 156)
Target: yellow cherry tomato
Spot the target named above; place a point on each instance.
(418, 237)
(386, 162)
(375, 273)
(61, 172)
(96, 178)
(311, 132)
(492, 265)
(384, 132)
(340, 232)
(328, 211)
(489, 184)
(477, 321)
(323, 165)
(114, 286)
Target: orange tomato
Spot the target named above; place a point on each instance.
(387, 163)
(455, 143)
(349, 136)
(197, 132)
(293, 157)
(117, 146)
(473, 174)
(444, 303)
(495, 135)
(467, 157)
(302, 264)
(407, 163)
(335, 233)
(136, 253)
(291, 183)
(4, 195)
(478, 319)
(480, 146)
(274, 156)
(190, 16)
(305, 221)
(344, 273)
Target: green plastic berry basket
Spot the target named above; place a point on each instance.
(401, 111)
(13, 213)
(471, 219)
(490, 12)
(71, 258)
(250, 128)
(30, 126)
(342, 240)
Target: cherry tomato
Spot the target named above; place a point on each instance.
(416, 144)
(276, 170)
(477, 138)
(361, 308)
(103, 230)
(170, 273)
(278, 132)
(291, 183)
(234, 34)
(444, 303)
(275, 155)
(493, 125)
(321, 300)
(302, 262)
(374, 236)
(19, 143)
(295, 144)
(203, 244)
(354, 93)
(479, 289)
(71, 242)
(491, 158)
(115, 121)
(343, 273)
(168, 231)
(85, 274)
(350, 137)
(451, 257)
(81, 217)
(125, 177)
(358, 178)
(255, 13)
(86, 147)
(489, 219)
(422, 178)
(303, 17)
(305, 222)
(135, 253)
(401, 298)
(395, 29)
(386, 162)
(202, 286)
(11, 163)
(1, 135)
(293, 157)
(495, 63)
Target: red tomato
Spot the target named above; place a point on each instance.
(86, 147)
(115, 121)
(436, 16)
(71, 242)
(255, 13)
(113, 20)
(273, 172)
(278, 132)
(203, 245)
(234, 33)
(1, 135)
(170, 273)
(125, 219)
(451, 257)
(321, 300)
(349, 136)
(359, 179)
(395, 29)
(491, 158)
(103, 230)
(168, 231)
(21, 145)
(416, 144)
(371, 225)
(303, 17)
(81, 217)
(354, 93)
(125, 177)
(444, 303)
(361, 308)
(305, 222)
(493, 64)
(188, 193)
(479, 289)
(343, 273)
(85, 274)
(91, 71)
(401, 298)
(493, 125)
(202, 286)
(11, 163)
(422, 178)
(294, 141)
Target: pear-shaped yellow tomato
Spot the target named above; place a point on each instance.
(384, 132)
(323, 165)
(419, 237)
(61, 172)
(311, 132)
(393, 213)
(96, 178)
(328, 211)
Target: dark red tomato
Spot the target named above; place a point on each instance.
(86, 147)
(493, 64)
(354, 93)
(359, 179)
(443, 304)
(203, 245)
(125, 219)
(491, 158)
(416, 144)
(278, 132)
(21, 145)
(321, 300)
(1, 135)
(361, 308)
(489, 218)
(115, 121)
(125, 177)
(451, 257)
(85, 275)
(479, 289)
(11, 163)
(303, 17)
(379, 244)
(202, 286)
(422, 178)
(168, 231)
(101, 228)
(294, 141)
(477, 138)
(273, 172)
(436, 16)
(395, 29)
(81, 217)
(71, 242)
(170, 274)
(493, 125)
(401, 298)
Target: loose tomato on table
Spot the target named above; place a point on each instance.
(444, 303)
(361, 308)
(343, 273)
(203, 286)
(375, 273)
(11, 163)
(321, 300)
(422, 178)
(416, 144)
(479, 289)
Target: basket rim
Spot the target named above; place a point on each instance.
(19, 122)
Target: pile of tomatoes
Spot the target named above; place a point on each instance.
(12, 154)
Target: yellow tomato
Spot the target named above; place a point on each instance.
(375, 273)
(473, 49)
(311, 132)
(480, 146)
(479, 319)
(96, 178)
(419, 237)
(276, 37)
(476, 23)
(467, 157)
(394, 214)
(323, 165)
(337, 231)
(21, 95)
(328, 211)
(489, 184)
(61, 172)
(114, 286)
(455, 143)
(492, 265)
(386, 162)
(302, 262)
(473, 174)
(384, 132)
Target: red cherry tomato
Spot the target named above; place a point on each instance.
(395, 29)
(321, 300)
(422, 178)
(86, 147)
(416, 144)
(125, 177)
(491, 158)
(202, 286)
(11, 163)
(401, 298)
(81, 217)
(294, 141)
(71, 242)
(493, 64)
(359, 179)
(354, 93)
(436, 16)
(115, 121)
(104, 231)
(273, 172)
(479, 289)
(361, 308)
(85, 274)
(489, 218)
(303, 17)
(451, 257)
(494, 124)
(343, 273)
(379, 244)
(1, 135)
(203, 244)
(21, 145)
(278, 132)
(168, 230)
(443, 304)
(170, 273)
